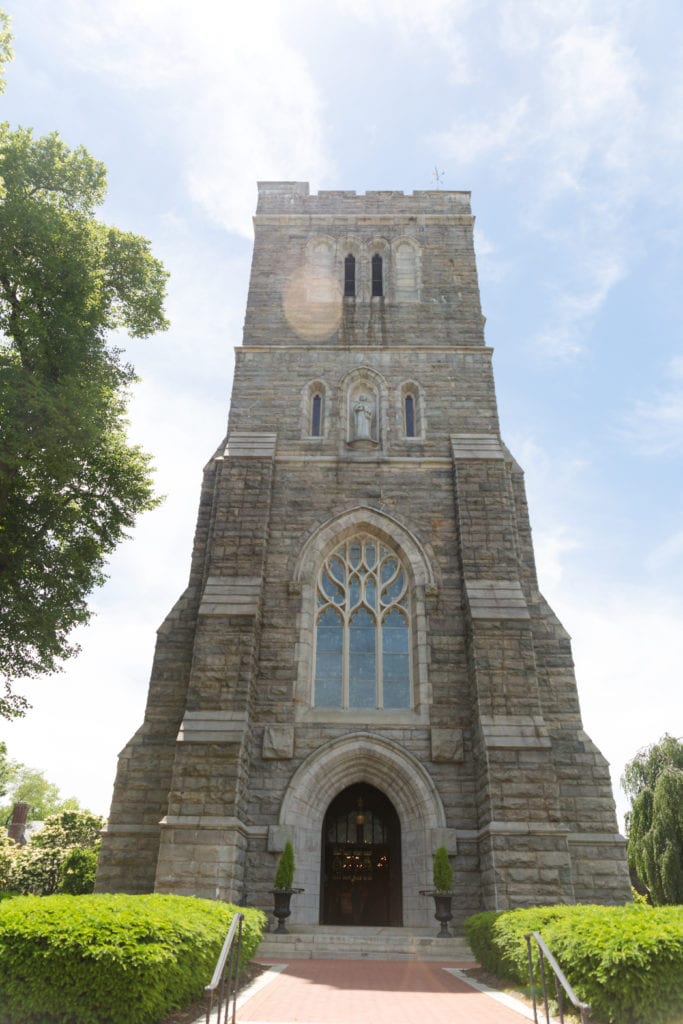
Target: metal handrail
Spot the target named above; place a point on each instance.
(561, 983)
(223, 984)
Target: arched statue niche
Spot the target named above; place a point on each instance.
(364, 409)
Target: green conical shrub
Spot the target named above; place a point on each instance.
(443, 872)
(284, 876)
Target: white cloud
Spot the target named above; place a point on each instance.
(628, 649)
(667, 553)
(655, 426)
(233, 93)
(501, 134)
(567, 119)
(564, 337)
(442, 22)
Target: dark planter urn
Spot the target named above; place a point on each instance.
(442, 910)
(281, 909)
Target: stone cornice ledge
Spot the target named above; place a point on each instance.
(597, 837)
(231, 824)
(523, 828)
(125, 829)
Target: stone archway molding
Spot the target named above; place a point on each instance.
(363, 757)
(384, 526)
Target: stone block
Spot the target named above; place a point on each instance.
(278, 743)
(447, 745)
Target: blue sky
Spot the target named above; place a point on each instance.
(564, 119)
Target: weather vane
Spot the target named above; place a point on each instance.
(438, 176)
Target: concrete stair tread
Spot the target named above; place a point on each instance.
(325, 942)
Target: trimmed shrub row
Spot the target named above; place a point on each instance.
(627, 962)
(110, 959)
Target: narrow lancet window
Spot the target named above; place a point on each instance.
(350, 276)
(316, 415)
(409, 414)
(377, 288)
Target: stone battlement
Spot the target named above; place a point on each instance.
(293, 197)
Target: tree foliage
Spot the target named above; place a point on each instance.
(5, 46)
(61, 857)
(70, 483)
(19, 782)
(654, 782)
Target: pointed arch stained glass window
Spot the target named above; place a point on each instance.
(362, 631)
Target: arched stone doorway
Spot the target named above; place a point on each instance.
(366, 758)
(360, 880)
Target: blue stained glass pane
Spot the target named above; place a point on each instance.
(328, 665)
(330, 619)
(371, 592)
(354, 591)
(389, 567)
(410, 416)
(362, 666)
(370, 554)
(331, 589)
(354, 554)
(394, 590)
(395, 641)
(362, 693)
(395, 620)
(362, 619)
(396, 695)
(315, 415)
(395, 668)
(329, 639)
(327, 694)
(337, 568)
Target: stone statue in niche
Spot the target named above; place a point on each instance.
(363, 409)
(363, 420)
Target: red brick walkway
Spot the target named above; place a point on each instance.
(372, 992)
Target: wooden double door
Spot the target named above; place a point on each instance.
(361, 860)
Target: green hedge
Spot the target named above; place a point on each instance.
(114, 959)
(627, 962)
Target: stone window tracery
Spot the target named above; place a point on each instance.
(362, 628)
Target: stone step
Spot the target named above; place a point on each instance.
(325, 942)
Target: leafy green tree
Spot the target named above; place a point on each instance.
(654, 782)
(19, 782)
(70, 483)
(44, 799)
(5, 46)
(8, 772)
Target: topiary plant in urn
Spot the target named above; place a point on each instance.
(442, 876)
(282, 888)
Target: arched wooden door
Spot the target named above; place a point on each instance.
(361, 860)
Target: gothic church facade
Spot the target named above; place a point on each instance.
(362, 661)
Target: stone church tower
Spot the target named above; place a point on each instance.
(362, 660)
